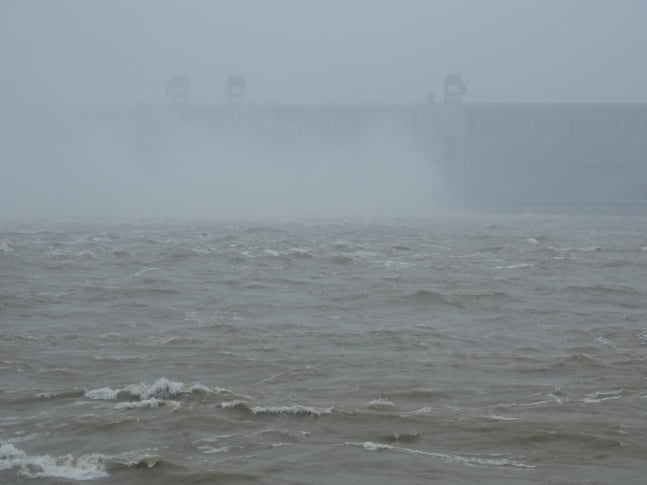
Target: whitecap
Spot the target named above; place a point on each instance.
(605, 341)
(208, 450)
(557, 399)
(142, 271)
(110, 335)
(136, 458)
(197, 387)
(102, 394)
(5, 246)
(397, 264)
(160, 389)
(370, 446)
(600, 396)
(84, 467)
(147, 403)
(515, 266)
(232, 405)
(466, 460)
(421, 411)
(294, 409)
(497, 417)
(380, 402)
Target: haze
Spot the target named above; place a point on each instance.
(57, 55)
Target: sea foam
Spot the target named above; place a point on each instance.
(465, 460)
(294, 409)
(160, 389)
(380, 403)
(597, 397)
(84, 467)
(150, 396)
(5, 246)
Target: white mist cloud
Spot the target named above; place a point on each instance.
(80, 166)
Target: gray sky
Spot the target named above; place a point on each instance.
(84, 51)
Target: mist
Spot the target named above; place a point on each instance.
(161, 167)
(323, 241)
(72, 71)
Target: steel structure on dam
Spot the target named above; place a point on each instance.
(487, 152)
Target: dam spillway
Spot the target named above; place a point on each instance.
(486, 153)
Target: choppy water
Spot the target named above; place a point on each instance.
(458, 350)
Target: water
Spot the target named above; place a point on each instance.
(490, 349)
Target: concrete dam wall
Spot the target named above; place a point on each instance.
(486, 154)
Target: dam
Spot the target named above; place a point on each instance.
(488, 153)
(500, 156)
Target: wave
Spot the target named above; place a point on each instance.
(423, 411)
(574, 360)
(147, 403)
(598, 249)
(341, 259)
(586, 249)
(598, 291)
(295, 409)
(300, 253)
(582, 359)
(152, 395)
(111, 293)
(427, 297)
(29, 397)
(103, 237)
(498, 417)
(553, 399)
(516, 266)
(84, 467)
(427, 395)
(380, 403)
(210, 450)
(6, 246)
(68, 254)
(458, 300)
(242, 405)
(600, 396)
(403, 437)
(72, 394)
(465, 460)
(573, 439)
(176, 255)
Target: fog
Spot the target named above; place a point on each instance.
(67, 66)
(71, 165)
